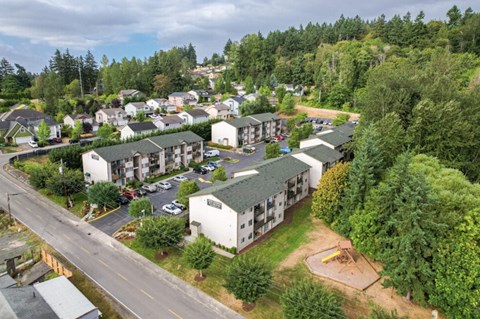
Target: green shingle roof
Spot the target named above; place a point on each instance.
(322, 153)
(335, 138)
(175, 139)
(243, 192)
(121, 151)
(265, 117)
(242, 122)
(281, 169)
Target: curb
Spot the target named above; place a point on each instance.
(101, 216)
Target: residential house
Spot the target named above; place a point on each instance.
(252, 97)
(133, 108)
(168, 122)
(135, 129)
(241, 210)
(70, 120)
(234, 103)
(194, 116)
(246, 130)
(335, 139)
(218, 111)
(152, 156)
(179, 99)
(21, 126)
(239, 88)
(161, 104)
(115, 117)
(200, 95)
(320, 158)
(131, 93)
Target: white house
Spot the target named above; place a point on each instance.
(135, 129)
(234, 103)
(168, 122)
(246, 130)
(194, 116)
(130, 93)
(161, 104)
(239, 211)
(200, 95)
(83, 118)
(179, 99)
(133, 108)
(252, 97)
(218, 111)
(115, 117)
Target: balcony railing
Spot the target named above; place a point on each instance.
(258, 211)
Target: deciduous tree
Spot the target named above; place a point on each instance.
(272, 150)
(186, 188)
(140, 208)
(199, 254)
(159, 233)
(43, 132)
(103, 194)
(219, 175)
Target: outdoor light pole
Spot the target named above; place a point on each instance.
(8, 205)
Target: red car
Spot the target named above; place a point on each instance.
(280, 138)
(131, 195)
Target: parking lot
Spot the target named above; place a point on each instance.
(113, 221)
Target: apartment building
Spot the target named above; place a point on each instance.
(152, 156)
(246, 130)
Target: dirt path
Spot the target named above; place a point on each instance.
(321, 238)
(324, 113)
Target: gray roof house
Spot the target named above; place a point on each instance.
(134, 129)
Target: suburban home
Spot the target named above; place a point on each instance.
(152, 156)
(246, 130)
(234, 103)
(194, 116)
(133, 108)
(168, 122)
(335, 139)
(240, 210)
(239, 88)
(320, 158)
(200, 95)
(53, 299)
(179, 99)
(70, 120)
(252, 97)
(131, 93)
(21, 126)
(19, 106)
(115, 117)
(135, 129)
(161, 104)
(218, 111)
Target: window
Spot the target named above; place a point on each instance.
(250, 236)
(22, 129)
(243, 240)
(242, 226)
(279, 215)
(250, 222)
(280, 204)
(95, 157)
(213, 203)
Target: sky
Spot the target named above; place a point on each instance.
(31, 30)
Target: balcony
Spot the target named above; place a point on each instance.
(291, 185)
(270, 205)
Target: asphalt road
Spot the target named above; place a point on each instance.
(145, 289)
(110, 223)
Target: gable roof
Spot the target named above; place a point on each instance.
(122, 151)
(281, 168)
(346, 129)
(169, 140)
(138, 105)
(197, 113)
(264, 117)
(335, 138)
(321, 153)
(171, 119)
(181, 94)
(221, 107)
(242, 122)
(243, 192)
(238, 99)
(129, 92)
(112, 111)
(80, 116)
(23, 113)
(24, 303)
(141, 126)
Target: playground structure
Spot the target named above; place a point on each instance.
(343, 264)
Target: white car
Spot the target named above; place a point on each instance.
(178, 204)
(250, 147)
(208, 168)
(171, 209)
(33, 144)
(150, 188)
(180, 178)
(164, 185)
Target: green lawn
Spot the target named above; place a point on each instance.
(163, 177)
(285, 239)
(78, 200)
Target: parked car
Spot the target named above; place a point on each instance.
(200, 170)
(285, 150)
(131, 195)
(171, 209)
(279, 138)
(180, 178)
(141, 192)
(73, 141)
(214, 164)
(57, 140)
(179, 205)
(270, 140)
(249, 147)
(33, 144)
(208, 168)
(150, 188)
(164, 185)
(285, 135)
(122, 200)
(211, 153)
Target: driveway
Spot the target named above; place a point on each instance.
(113, 221)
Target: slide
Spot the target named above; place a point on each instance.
(335, 254)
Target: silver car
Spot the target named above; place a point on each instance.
(171, 209)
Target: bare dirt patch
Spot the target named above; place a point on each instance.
(320, 238)
(322, 113)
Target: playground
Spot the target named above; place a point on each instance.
(344, 265)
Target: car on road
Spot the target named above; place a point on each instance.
(164, 185)
(285, 135)
(178, 204)
(180, 178)
(249, 147)
(270, 140)
(200, 170)
(279, 138)
(211, 153)
(285, 150)
(150, 188)
(33, 144)
(141, 192)
(171, 209)
(131, 195)
(122, 200)
(214, 164)
(208, 168)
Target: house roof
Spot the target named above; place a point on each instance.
(180, 94)
(122, 151)
(322, 153)
(264, 117)
(6, 281)
(221, 107)
(64, 298)
(242, 122)
(129, 92)
(238, 99)
(26, 114)
(138, 105)
(169, 140)
(197, 113)
(160, 101)
(172, 119)
(4, 125)
(281, 169)
(81, 116)
(112, 111)
(24, 303)
(141, 126)
(335, 138)
(346, 129)
(243, 192)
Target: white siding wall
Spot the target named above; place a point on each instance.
(131, 110)
(315, 172)
(126, 132)
(222, 131)
(244, 233)
(99, 169)
(220, 225)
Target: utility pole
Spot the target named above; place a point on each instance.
(60, 169)
(8, 207)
